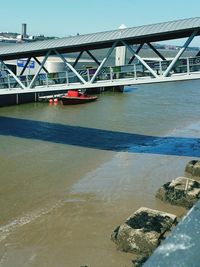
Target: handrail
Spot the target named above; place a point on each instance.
(109, 73)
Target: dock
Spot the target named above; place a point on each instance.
(16, 89)
(46, 98)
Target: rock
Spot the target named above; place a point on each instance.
(182, 191)
(139, 261)
(193, 168)
(142, 231)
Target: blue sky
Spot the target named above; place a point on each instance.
(67, 17)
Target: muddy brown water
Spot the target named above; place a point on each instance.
(70, 175)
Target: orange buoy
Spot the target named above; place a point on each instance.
(50, 100)
(55, 100)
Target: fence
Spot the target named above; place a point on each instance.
(136, 71)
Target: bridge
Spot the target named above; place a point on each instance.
(136, 71)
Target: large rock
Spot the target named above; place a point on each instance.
(142, 231)
(182, 191)
(193, 168)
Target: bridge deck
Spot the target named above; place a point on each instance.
(140, 72)
(186, 69)
(99, 84)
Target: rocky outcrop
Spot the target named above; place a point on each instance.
(193, 168)
(142, 231)
(182, 191)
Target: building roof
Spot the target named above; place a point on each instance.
(134, 35)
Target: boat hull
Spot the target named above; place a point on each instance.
(77, 100)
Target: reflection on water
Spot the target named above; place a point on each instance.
(70, 175)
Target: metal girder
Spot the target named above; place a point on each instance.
(137, 51)
(171, 65)
(40, 65)
(77, 59)
(70, 67)
(93, 57)
(156, 51)
(27, 62)
(89, 53)
(103, 61)
(198, 54)
(40, 68)
(140, 59)
(12, 74)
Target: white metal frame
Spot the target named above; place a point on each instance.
(186, 44)
(40, 68)
(90, 54)
(103, 62)
(137, 51)
(13, 75)
(70, 67)
(140, 59)
(39, 63)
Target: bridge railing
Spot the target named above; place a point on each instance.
(109, 73)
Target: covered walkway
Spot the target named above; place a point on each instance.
(137, 70)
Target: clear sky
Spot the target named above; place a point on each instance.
(68, 17)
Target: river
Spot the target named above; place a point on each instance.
(70, 174)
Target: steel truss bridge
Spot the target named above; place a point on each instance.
(136, 71)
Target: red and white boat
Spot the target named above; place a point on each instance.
(73, 97)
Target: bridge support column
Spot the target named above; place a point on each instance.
(171, 65)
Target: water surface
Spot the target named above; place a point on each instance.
(71, 174)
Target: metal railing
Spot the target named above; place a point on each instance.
(133, 71)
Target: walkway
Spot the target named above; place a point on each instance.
(136, 71)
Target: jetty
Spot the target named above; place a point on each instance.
(15, 89)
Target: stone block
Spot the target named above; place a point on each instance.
(193, 168)
(182, 192)
(142, 231)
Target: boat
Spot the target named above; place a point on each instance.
(74, 97)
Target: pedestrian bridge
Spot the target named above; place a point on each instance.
(135, 71)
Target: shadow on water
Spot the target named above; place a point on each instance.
(99, 139)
